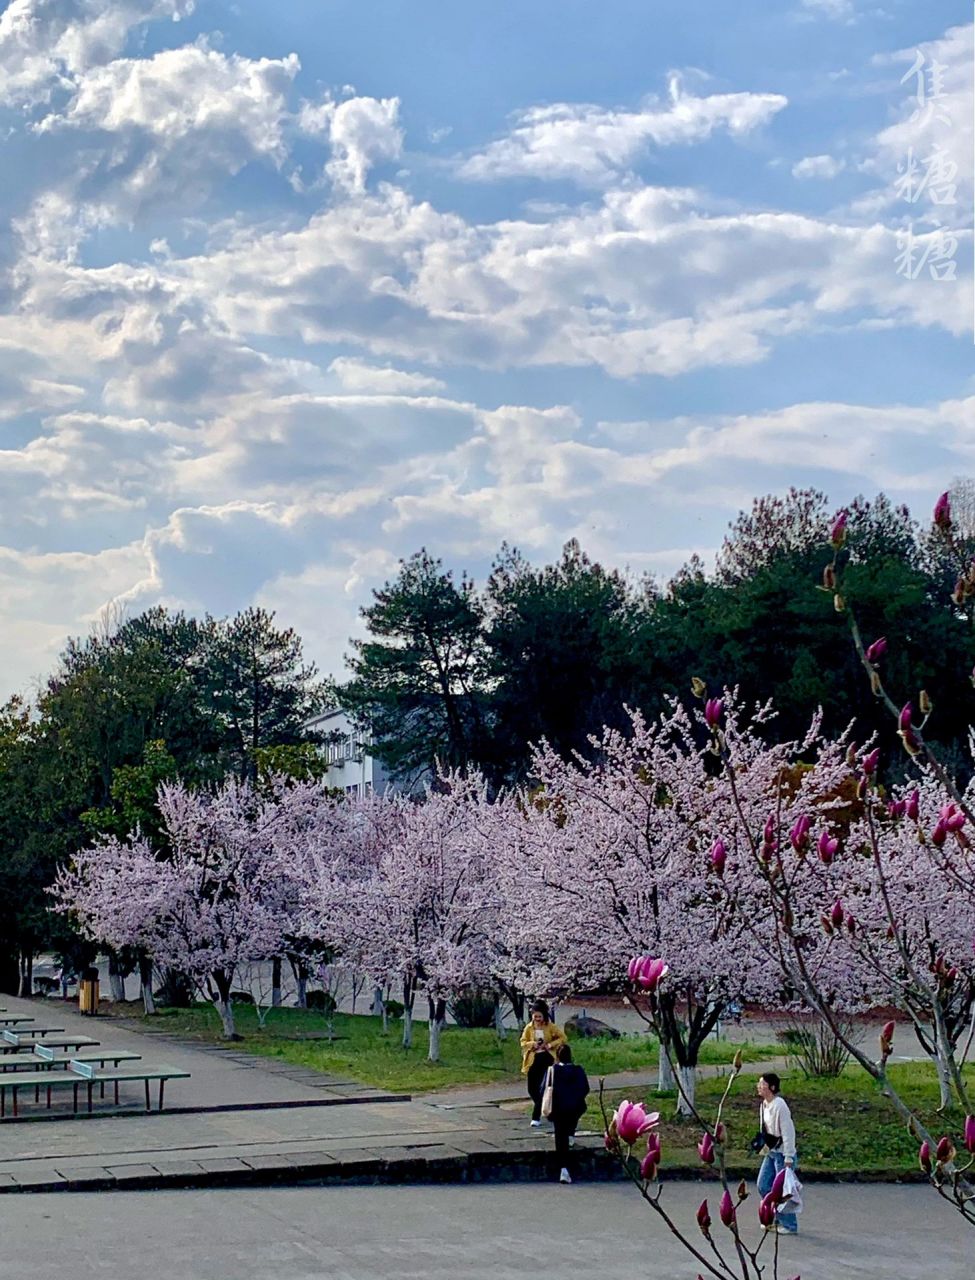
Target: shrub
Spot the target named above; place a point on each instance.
(394, 1009)
(241, 997)
(320, 1001)
(473, 1009)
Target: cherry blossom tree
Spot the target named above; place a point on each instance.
(222, 897)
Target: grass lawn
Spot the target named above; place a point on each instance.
(362, 1052)
(842, 1125)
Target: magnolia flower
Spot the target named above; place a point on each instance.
(726, 1210)
(924, 1156)
(713, 710)
(913, 805)
(766, 1211)
(870, 762)
(887, 1039)
(632, 1121)
(942, 512)
(945, 1150)
(828, 846)
(704, 1217)
(876, 650)
(705, 1149)
(719, 856)
(897, 808)
(777, 1190)
(952, 817)
(649, 1163)
(904, 719)
(837, 535)
(836, 915)
(970, 1134)
(799, 835)
(647, 972)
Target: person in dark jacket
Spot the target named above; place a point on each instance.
(570, 1088)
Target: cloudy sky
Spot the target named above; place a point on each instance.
(290, 289)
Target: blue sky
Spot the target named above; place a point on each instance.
(289, 290)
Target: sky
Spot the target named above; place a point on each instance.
(290, 290)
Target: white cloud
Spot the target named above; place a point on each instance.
(591, 145)
(361, 132)
(839, 10)
(44, 44)
(360, 376)
(824, 166)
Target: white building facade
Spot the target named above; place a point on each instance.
(350, 766)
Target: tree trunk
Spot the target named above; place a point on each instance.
(407, 1028)
(145, 980)
(685, 1095)
(665, 1074)
(116, 979)
(438, 1016)
(301, 990)
(944, 1081)
(26, 974)
(378, 1005)
(499, 1027)
(276, 983)
(9, 971)
(224, 1006)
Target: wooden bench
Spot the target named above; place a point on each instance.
(83, 1074)
(10, 1042)
(8, 1020)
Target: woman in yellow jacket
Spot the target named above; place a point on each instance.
(540, 1042)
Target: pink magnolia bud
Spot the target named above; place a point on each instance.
(904, 719)
(713, 710)
(970, 1134)
(766, 1211)
(952, 817)
(726, 1210)
(897, 808)
(939, 835)
(913, 805)
(945, 1150)
(720, 1133)
(719, 856)
(870, 762)
(704, 1217)
(836, 915)
(799, 834)
(924, 1157)
(942, 513)
(649, 1163)
(876, 650)
(705, 1149)
(837, 535)
(828, 846)
(777, 1190)
(886, 1039)
(851, 924)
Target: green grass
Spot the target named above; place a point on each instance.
(842, 1125)
(362, 1052)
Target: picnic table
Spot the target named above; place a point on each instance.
(84, 1074)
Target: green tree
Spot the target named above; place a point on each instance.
(418, 682)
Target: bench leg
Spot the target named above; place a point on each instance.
(74, 1097)
(91, 1086)
(162, 1085)
(3, 1101)
(15, 1101)
(148, 1099)
(49, 1097)
(116, 1093)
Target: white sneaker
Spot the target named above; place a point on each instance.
(536, 1124)
(564, 1176)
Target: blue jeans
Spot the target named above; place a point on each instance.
(771, 1165)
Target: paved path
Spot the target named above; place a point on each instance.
(457, 1233)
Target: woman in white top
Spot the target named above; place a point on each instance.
(779, 1141)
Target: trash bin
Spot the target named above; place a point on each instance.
(88, 992)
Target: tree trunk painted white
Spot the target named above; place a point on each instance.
(145, 984)
(378, 1004)
(407, 1028)
(116, 982)
(433, 1052)
(301, 990)
(26, 986)
(276, 983)
(226, 1010)
(685, 1095)
(665, 1074)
